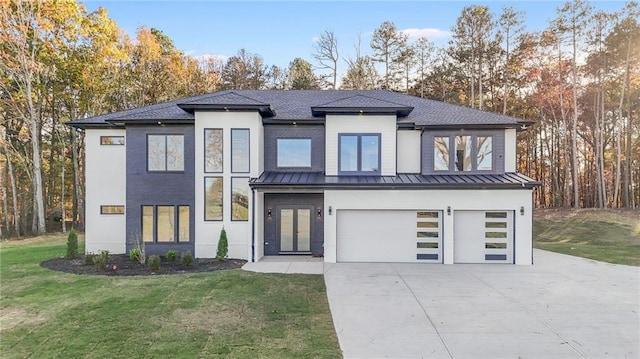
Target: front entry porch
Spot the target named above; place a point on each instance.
(294, 224)
(287, 264)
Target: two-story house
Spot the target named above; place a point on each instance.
(352, 176)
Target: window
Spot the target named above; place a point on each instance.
(240, 150)
(484, 153)
(213, 150)
(359, 154)
(470, 153)
(441, 153)
(112, 140)
(147, 223)
(183, 224)
(240, 199)
(213, 198)
(294, 152)
(463, 153)
(165, 153)
(166, 223)
(111, 209)
(160, 224)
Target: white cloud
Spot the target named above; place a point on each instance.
(430, 33)
(206, 57)
(315, 39)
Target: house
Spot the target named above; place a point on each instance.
(352, 176)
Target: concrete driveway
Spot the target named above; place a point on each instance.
(561, 307)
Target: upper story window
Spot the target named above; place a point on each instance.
(213, 150)
(294, 152)
(240, 150)
(470, 153)
(165, 153)
(359, 154)
(112, 140)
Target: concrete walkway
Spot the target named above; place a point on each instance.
(286, 264)
(561, 307)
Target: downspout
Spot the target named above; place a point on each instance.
(253, 225)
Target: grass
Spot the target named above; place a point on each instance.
(226, 314)
(611, 236)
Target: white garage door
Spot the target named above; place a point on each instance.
(389, 236)
(483, 237)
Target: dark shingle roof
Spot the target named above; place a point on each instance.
(408, 181)
(297, 104)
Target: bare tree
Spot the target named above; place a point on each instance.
(387, 43)
(424, 54)
(326, 53)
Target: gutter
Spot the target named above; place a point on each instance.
(253, 225)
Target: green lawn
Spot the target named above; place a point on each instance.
(226, 314)
(606, 235)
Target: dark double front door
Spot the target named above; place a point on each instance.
(294, 229)
(293, 224)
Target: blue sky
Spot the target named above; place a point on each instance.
(283, 30)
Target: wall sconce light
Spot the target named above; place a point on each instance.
(522, 210)
(330, 209)
(269, 213)
(319, 212)
(448, 210)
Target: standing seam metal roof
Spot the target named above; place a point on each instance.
(405, 180)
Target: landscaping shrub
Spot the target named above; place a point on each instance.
(134, 254)
(101, 261)
(89, 259)
(223, 246)
(154, 263)
(72, 244)
(172, 254)
(187, 259)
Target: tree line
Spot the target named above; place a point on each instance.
(577, 82)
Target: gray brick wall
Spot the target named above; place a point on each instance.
(314, 132)
(158, 188)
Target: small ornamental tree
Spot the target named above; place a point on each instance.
(72, 244)
(223, 246)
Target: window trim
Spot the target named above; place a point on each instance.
(205, 199)
(104, 206)
(359, 171)
(102, 143)
(205, 149)
(248, 150)
(231, 197)
(166, 135)
(295, 138)
(154, 223)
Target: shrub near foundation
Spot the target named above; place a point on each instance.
(72, 244)
(171, 255)
(154, 263)
(223, 246)
(187, 259)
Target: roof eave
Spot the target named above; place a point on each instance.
(265, 110)
(318, 111)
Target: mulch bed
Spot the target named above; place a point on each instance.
(126, 267)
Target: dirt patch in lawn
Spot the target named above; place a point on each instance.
(121, 265)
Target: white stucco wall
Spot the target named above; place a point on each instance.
(409, 151)
(105, 173)
(383, 124)
(510, 150)
(207, 233)
(505, 200)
